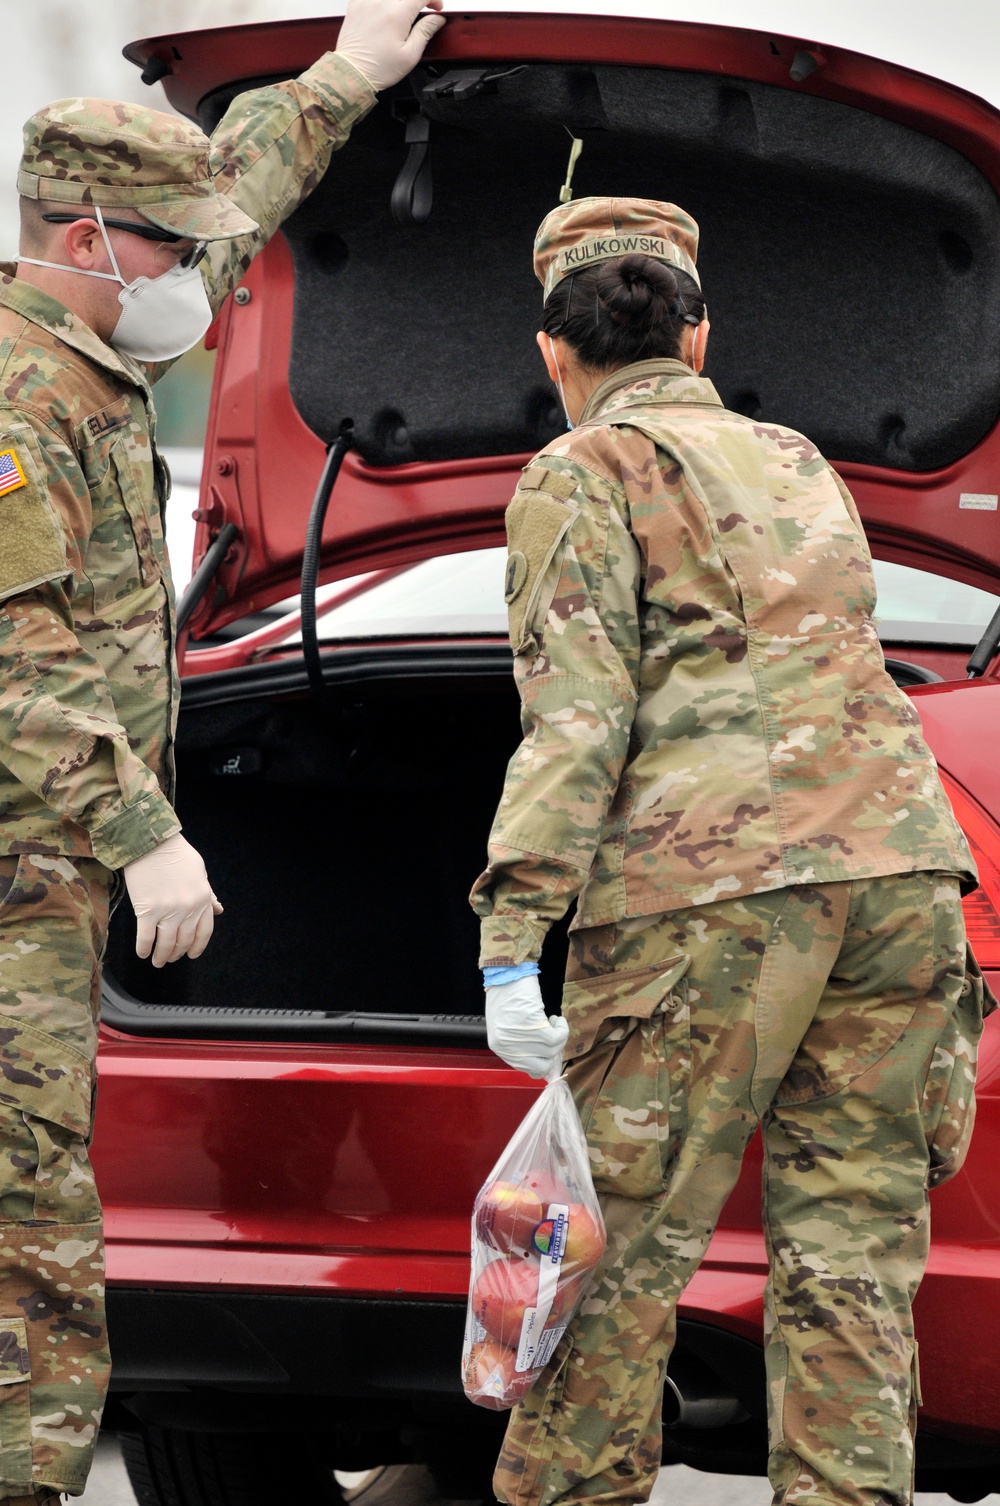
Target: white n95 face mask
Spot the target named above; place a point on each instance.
(161, 317)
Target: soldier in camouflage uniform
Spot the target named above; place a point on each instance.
(88, 688)
(767, 873)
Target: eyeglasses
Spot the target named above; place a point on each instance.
(147, 232)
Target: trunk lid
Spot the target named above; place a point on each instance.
(850, 238)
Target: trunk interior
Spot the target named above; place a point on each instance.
(343, 836)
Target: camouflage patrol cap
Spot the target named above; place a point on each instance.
(118, 155)
(586, 231)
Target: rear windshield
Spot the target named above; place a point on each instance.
(915, 606)
(462, 594)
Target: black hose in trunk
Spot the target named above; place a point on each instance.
(311, 555)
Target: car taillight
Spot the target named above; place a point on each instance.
(982, 909)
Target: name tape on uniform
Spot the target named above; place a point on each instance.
(978, 501)
(609, 246)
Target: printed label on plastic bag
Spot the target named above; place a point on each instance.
(535, 1318)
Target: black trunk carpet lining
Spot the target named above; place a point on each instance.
(345, 860)
(850, 265)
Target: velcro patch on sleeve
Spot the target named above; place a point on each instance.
(32, 546)
(535, 525)
(557, 483)
(516, 576)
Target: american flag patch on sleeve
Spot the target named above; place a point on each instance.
(11, 474)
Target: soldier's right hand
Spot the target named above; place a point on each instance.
(174, 905)
(383, 38)
(519, 1032)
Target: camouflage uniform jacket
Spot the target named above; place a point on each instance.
(88, 680)
(705, 706)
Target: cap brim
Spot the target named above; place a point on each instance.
(201, 219)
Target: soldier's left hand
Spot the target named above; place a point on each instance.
(518, 1031)
(384, 39)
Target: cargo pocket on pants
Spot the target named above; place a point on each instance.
(948, 1104)
(15, 1404)
(47, 1083)
(629, 1067)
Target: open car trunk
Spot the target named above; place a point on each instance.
(343, 836)
(851, 261)
(343, 833)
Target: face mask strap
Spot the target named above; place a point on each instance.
(104, 233)
(559, 382)
(695, 325)
(60, 266)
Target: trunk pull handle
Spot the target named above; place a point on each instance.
(413, 190)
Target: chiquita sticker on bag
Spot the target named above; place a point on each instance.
(537, 1238)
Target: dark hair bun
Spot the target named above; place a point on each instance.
(638, 292)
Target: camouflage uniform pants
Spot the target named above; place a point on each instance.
(54, 1362)
(843, 1018)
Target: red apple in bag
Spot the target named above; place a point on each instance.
(507, 1214)
(490, 1378)
(585, 1240)
(502, 1292)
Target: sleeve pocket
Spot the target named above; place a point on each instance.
(629, 1066)
(32, 546)
(536, 526)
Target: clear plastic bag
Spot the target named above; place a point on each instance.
(537, 1236)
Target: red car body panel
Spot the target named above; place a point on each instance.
(351, 1170)
(277, 1169)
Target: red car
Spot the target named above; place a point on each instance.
(292, 1129)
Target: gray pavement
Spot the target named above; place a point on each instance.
(677, 1486)
(108, 1484)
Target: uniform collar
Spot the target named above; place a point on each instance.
(649, 382)
(51, 315)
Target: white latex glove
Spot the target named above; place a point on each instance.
(173, 902)
(380, 38)
(519, 1032)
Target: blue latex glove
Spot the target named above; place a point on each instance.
(495, 975)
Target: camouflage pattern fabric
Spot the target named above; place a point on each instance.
(844, 1016)
(586, 231)
(705, 705)
(108, 152)
(88, 683)
(88, 706)
(54, 1362)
